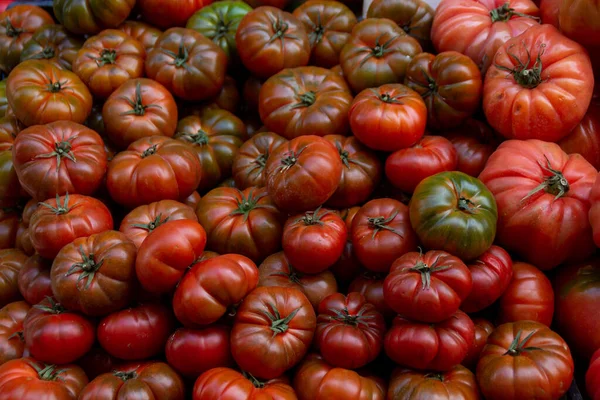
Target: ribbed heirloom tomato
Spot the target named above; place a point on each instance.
(474, 142)
(34, 279)
(53, 43)
(171, 13)
(483, 329)
(585, 138)
(91, 16)
(144, 33)
(249, 163)
(11, 262)
(12, 316)
(229, 384)
(456, 383)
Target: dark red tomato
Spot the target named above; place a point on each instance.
(305, 101)
(226, 383)
(11, 262)
(187, 63)
(370, 285)
(60, 221)
(54, 43)
(12, 344)
(212, 287)
(592, 377)
(347, 267)
(153, 169)
(136, 380)
(483, 329)
(549, 10)
(269, 40)
(381, 233)
(585, 138)
(492, 273)
(11, 191)
(329, 24)
(167, 253)
(406, 168)
(426, 346)
(377, 53)
(56, 336)
(249, 163)
(143, 220)
(136, 333)
(274, 320)
(58, 158)
(388, 118)
(24, 233)
(9, 226)
(313, 242)
(251, 93)
(303, 173)
(349, 330)
(192, 200)
(427, 287)
(34, 279)
(171, 13)
(144, 33)
(594, 213)
(273, 3)
(97, 362)
(529, 296)
(91, 16)
(185, 344)
(95, 274)
(456, 383)
(276, 270)
(139, 108)
(28, 379)
(360, 175)
(228, 98)
(241, 222)
(578, 20)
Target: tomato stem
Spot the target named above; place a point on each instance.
(125, 375)
(381, 223)
(137, 105)
(255, 382)
(278, 324)
(290, 160)
(45, 54)
(528, 78)
(149, 151)
(345, 317)
(247, 204)
(312, 217)
(55, 308)
(60, 208)
(504, 13)
(306, 99)
(49, 372)
(426, 271)
(467, 205)
(152, 225)
(200, 138)
(386, 98)
(517, 346)
(61, 149)
(182, 56)
(11, 31)
(378, 50)
(435, 375)
(293, 275)
(317, 33)
(555, 184)
(280, 28)
(88, 268)
(19, 335)
(107, 56)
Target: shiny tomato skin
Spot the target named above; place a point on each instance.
(594, 213)
(55, 43)
(144, 33)
(456, 383)
(370, 285)
(585, 138)
(172, 13)
(483, 329)
(91, 16)
(23, 233)
(11, 262)
(592, 377)
(249, 163)
(12, 316)
(578, 20)
(9, 226)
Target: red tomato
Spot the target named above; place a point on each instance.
(249, 162)
(388, 118)
(529, 296)
(11, 262)
(483, 329)
(144, 33)
(136, 333)
(171, 13)
(274, 320)
(426, 346)
(211, 287)
(381, 232)
(9, 226)
(167, 253)
(456, 383)
(97, 362)
(592, 377)
(91, 16)
(23, 240)
(370, 285)
(579, 20)
(585, 138)
(192, 200)
(12, 344)
(347, 267)
(34, 279)
(549, 10)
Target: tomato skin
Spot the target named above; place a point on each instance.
(530, 208)
(303, 173)
(456, 383)
(277, 271)
(406, 168)
(474, 142)
(90, 17)
(578, 20)
(23, 240)
(381, 233)
(34, 279)
(96, 274)
(249, 162)
(12, 316)
(483, 329)
(545, 370)
(144, 33)
(315, 379)
(549, 10)
(370, 285)
(22, 379)
(9, 226)
(269, 40)
(170, 14)
(54, 43)
(11, 262)
(492, 273)
(591, 377)
(585, 138)
(427, 287)
(424, 346)
(192, 200)
(211, 287)
(97, 362)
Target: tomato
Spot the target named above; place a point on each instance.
(277, 320)
(578, 20)
(136, 333)
(585, 138)
(17, 26)
(211, 287)
(96, 274)
(591, 377)
(34, 279)
(549, 10)
(483, 329)
(381, 233)
(9, 225)
(349, 330)
(406, 168)
(227, 99)
(529, 296)
(229, 384)
(97, 362)
(192, 200)
(492, 273)
(12, 344)
(524, 360)
(370, 285)
(24, 233)
(28, 379)
(216, 136)
(347, 267)
(3, 100)
(250, 94)
(153, 169)
(11, 262)
(10, 187)
(316, 380)
(456, 383)
(39, 92)
(413, 16)
(388, 118)
(269, 40)
(91, 16)
(152, 380)
(329, 25)
(139, 108)
(144, 33)
(425, 346)
(171, 13)
(543, 198)
(478, 28)
(250, 160)
(54, 43)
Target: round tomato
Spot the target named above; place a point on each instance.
(543, 198)
(34, 279)
(269, 40)
(91, 16)
(12, 344)
(456, 383)
(171, 13)
(226, 383)
(274, 320)
(592, 377)
(139, 108)
(53, 43)
(524, 360)
(585, 138)
(228, 97)
(11, 262)
(579, 20)
(144, 33)
(249, 163)
(95, 274)
(483, 329)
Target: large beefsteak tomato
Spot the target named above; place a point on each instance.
(12, 344)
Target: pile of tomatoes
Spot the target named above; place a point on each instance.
(283, 199)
